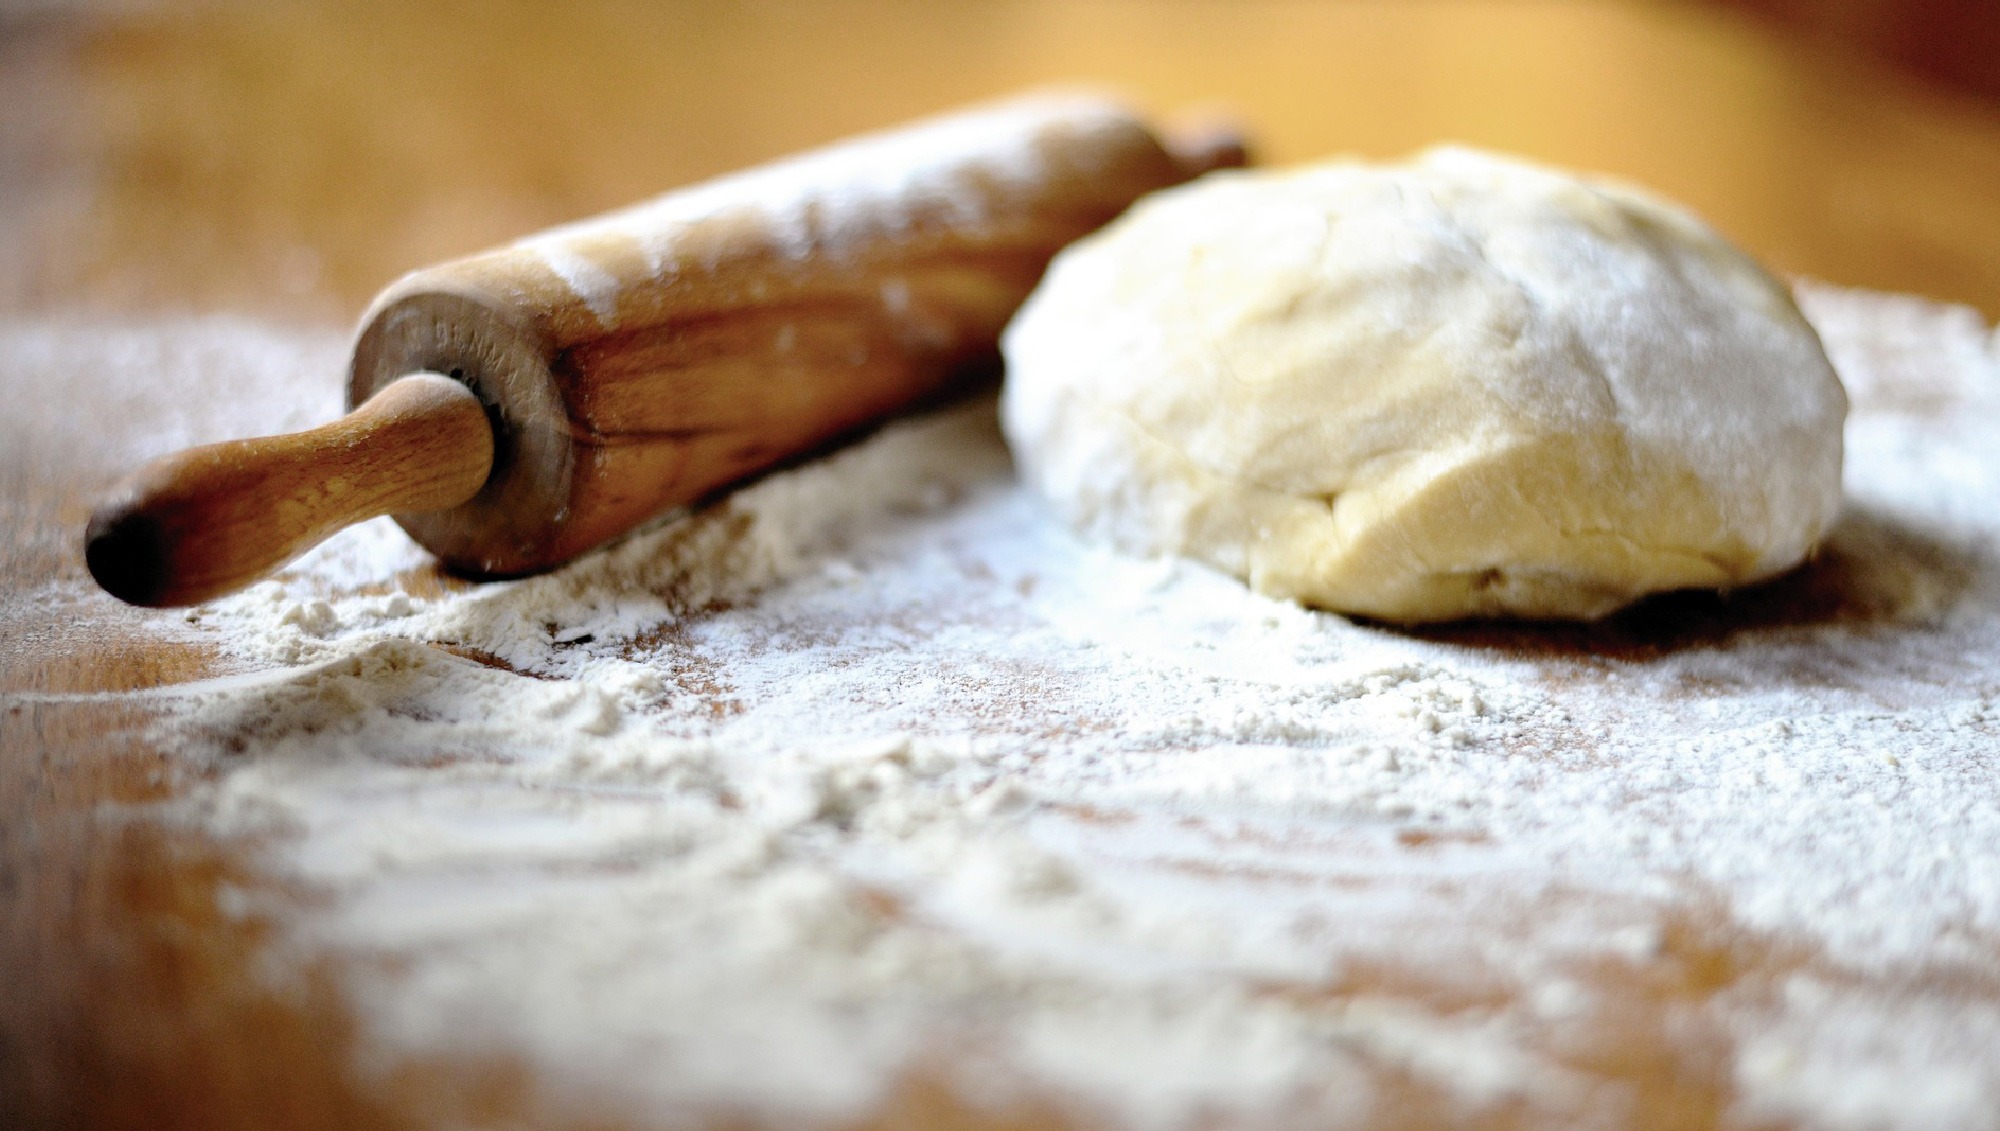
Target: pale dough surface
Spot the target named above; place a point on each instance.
(1458, 386)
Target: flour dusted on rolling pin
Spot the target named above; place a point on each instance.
(639, 360)
(841, 204)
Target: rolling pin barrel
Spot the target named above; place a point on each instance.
(640, 360)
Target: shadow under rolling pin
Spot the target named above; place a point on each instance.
(519, 407)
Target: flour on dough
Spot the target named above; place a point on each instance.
(1459, 386)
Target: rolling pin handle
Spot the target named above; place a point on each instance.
(205, 522)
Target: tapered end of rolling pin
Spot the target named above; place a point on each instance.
(1203, 141)
(208, 521)
(125, 549)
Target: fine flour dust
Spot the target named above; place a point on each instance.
(872, 773)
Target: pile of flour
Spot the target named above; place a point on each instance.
(872, 774)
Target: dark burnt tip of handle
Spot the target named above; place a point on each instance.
(126, 551)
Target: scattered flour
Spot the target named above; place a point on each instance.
(870, 772)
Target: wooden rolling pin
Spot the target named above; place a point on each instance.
(521, 406)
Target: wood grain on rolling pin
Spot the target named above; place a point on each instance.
(644, 358)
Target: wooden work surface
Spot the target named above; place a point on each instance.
(281, 162)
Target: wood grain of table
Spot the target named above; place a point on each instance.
(279, 163)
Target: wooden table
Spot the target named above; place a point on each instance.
(281, 162)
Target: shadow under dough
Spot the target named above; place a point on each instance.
(1871, 571)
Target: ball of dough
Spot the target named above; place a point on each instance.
(1460, 386)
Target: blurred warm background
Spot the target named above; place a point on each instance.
(302, 153)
